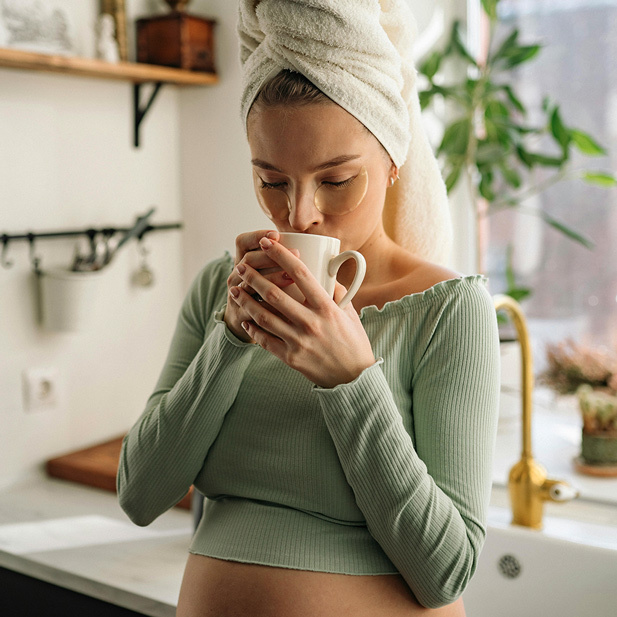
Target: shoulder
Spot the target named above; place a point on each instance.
(418, 275)
(455, 293)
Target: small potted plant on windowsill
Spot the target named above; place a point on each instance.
(591, 375)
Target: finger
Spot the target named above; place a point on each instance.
(266, 341)
(259, 260)
(314, 293)
(339, 292)
(247, 242)
(260, 313)
(271, 292)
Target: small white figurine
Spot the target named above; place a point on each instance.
(106, 44)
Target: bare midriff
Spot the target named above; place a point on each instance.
(219, 588)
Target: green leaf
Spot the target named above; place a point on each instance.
(497, 131)
(456, 137)
(458, 44)
(546, 104)
(513, 290)
(509, 42)
(510, 175)
(559, 131)
(485, 187)
(525, 157)
(453, 177)
(425, 98)
(488, 152)
(545, 160)
(451, 93)
(586, 144)
(518, 293)
(490, 8)
(496, 109)
(600, 178)
(567, 231)
(522, 54)
(431, 65)
(516, 103)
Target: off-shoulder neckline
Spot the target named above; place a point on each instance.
(406, 302)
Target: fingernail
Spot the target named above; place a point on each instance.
(234, 291)
(245, 325)
(265, 243)
(241, 268)
(273, 235)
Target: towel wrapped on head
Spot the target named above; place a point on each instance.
(359, 54)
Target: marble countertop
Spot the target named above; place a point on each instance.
(78, 537)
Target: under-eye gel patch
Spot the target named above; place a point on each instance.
(330, 198)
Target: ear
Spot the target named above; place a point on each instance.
(392, 174)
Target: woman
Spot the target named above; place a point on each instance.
(345, 453)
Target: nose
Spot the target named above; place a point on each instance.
(303, 213)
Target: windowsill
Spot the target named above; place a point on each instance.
(556, 442)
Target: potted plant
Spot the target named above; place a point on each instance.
(488, 143)
(591, 375)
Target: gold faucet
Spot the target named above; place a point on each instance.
(528, 484)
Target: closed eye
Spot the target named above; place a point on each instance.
(341, 184)
(271, 185)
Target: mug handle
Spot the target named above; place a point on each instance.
(337, 261)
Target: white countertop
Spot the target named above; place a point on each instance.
(78, 537)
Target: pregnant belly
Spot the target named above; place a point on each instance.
(218, 588)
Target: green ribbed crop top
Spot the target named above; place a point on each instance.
(389, 473)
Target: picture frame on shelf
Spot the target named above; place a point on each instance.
(43, 26)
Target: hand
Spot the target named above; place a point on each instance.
(248, 252)
(325, 343)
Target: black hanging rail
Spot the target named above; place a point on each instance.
(91, 233)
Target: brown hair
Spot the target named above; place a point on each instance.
(289, 88)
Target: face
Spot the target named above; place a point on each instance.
(316, 169)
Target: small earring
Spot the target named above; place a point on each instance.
(392, 180)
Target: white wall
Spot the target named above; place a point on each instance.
(67, 161)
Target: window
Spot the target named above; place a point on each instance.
(574, 289)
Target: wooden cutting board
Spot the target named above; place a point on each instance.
(96, 466)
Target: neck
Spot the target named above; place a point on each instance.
(378, 251)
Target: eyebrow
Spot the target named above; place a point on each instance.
(339, 160)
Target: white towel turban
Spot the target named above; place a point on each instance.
(359, 54)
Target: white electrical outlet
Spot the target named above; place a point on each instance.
(40, 387)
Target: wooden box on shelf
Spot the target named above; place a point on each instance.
(178, 39)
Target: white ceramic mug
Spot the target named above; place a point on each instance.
(322, 256)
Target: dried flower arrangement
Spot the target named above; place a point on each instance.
(591, 374)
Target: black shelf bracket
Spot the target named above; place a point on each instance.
(139, 112)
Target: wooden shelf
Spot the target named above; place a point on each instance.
(134, 72)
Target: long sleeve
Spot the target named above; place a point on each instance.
(165, 449)
(425, 495)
